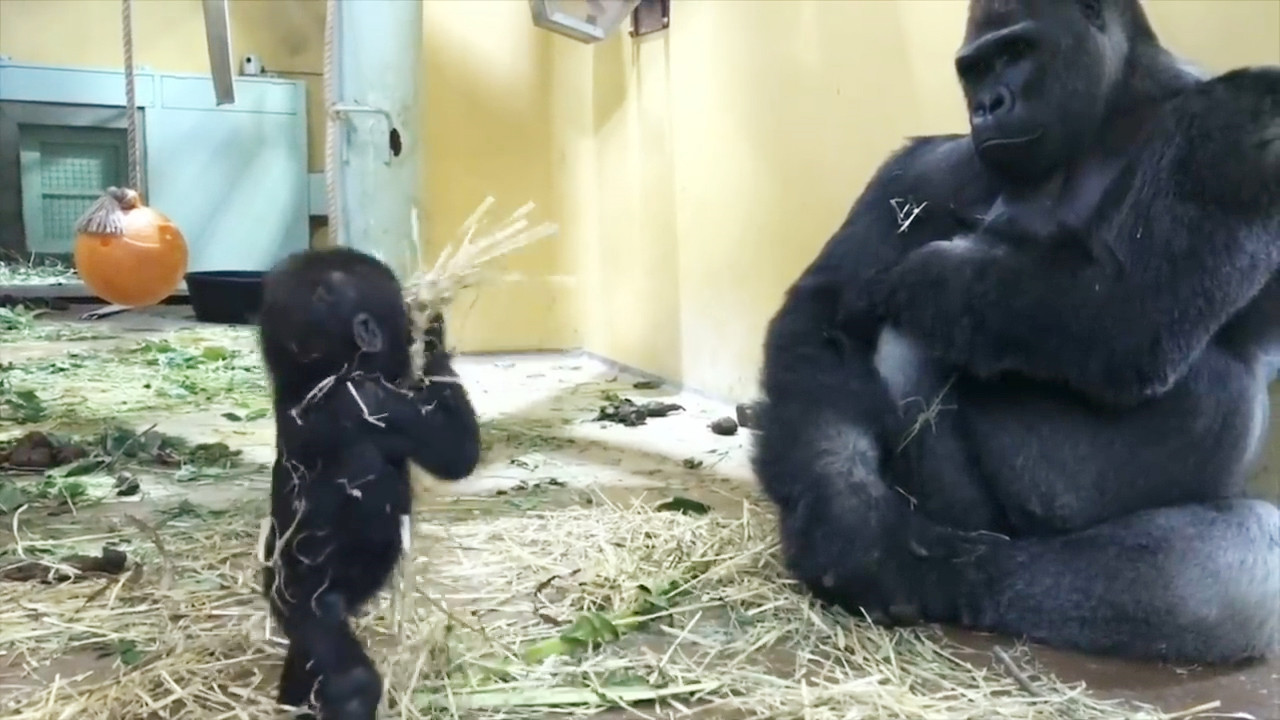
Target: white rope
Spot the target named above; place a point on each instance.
(131, 97)
(331, 128)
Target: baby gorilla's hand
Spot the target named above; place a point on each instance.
(433, 335)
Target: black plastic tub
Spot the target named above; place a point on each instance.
(231, 297)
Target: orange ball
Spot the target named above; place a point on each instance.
(139, 268)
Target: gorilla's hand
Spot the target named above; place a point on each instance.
(990, 309)
(931, 296)
(436, 359)
(433, 336)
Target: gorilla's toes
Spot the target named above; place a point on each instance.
(927, 541)
(905, 614)
(352, 695)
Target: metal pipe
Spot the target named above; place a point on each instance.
(378, 51)
(217, 33)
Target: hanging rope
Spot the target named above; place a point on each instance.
(131, 97)
(331, 128)
(106, 215)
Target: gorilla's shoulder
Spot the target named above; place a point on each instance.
(930, 166)
(1223, 135)
(1247, 97)
(951, 151)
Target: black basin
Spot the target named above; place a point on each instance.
(231, 297)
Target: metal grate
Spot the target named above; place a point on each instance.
(64, 169)
(72, 176)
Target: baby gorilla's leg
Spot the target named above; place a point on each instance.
(297, 682)
(326, 663)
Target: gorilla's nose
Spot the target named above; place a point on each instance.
(991, 104)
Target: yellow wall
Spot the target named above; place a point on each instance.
(725, 151)
(489, 106)
(694, 173)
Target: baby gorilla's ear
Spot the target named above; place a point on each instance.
(367, 334)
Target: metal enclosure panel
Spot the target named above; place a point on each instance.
(233, 177)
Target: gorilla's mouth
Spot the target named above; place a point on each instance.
(1004, 141)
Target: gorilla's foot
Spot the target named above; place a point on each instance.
(1189, 584)
(858, 544)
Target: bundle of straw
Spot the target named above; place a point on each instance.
(460, 267)
(427, 293)
(106, 215)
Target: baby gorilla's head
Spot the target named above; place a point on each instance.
(330, 312)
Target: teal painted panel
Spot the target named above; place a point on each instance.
(30, 83)
(234, 178)
(234, 182)
(252, 95)
(32, 215)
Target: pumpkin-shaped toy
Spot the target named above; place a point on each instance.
(127, 253)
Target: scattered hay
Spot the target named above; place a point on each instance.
(458, 268)
(519, 615)
(20, 324)
(36, 272)
(104, 380)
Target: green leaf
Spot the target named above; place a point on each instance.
(12, 497)
(126, 650)
(254, 414)
(591, 628)
(76, 469)
(73, 490)
(215, 353)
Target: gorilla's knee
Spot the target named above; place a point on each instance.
(1228, 594)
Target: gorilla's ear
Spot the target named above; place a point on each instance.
(367, 333)
(1093, 13)
(1270, 142)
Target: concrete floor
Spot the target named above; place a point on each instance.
(557, 395)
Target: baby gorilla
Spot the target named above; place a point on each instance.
(336, 338)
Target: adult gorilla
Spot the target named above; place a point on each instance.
(1079, 295)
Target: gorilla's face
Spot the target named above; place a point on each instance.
(1036, 76)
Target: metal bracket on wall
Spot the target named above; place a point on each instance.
(352, 109)
(650, 16)
(217, 32)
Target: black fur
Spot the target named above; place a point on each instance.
(1080, 478)
(340, 481)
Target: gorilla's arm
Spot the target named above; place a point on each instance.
(925, 191)
(819, 347)
(1207, 191)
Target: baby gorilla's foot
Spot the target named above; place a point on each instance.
(351, 695)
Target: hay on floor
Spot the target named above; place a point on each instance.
(517, 615)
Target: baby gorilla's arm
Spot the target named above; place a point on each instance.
(432, 423)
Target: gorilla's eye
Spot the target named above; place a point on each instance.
(1092, 11)
(1018, 50)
